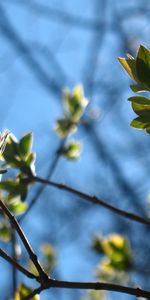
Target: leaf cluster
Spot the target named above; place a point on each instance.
(74, 107)
(117, 257)
(18, 155)
(139, 71)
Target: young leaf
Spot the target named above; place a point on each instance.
(10, 154)
(75, 103)
(130, 66)
(17, 207)
(140, 100)
(24, 291)
(65, 127)
(14, 188)
(140, 123)
(143, 65)
(137, 88)
(25, 144)
(142, 110)
(71, 150)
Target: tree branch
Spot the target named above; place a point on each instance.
(16, 265)
(47, 282)
(51, 283)
(49, 175)
(22, 236)
(94, 200)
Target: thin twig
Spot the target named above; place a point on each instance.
(94, 200)
(33, 293)
(16, 265)
(50, 173)
(22, 236)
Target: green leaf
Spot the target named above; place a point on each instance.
(5, 234)
(24, 291)
(130, 66)
(140, 123)
(30, 159)
(140, 100)
(139, 88)
(19, 187)
(142, 110)
(10, 154)
(143, 65)
(25, 144)
(8, 185)
(71, 150)
(17, 207)
(117, 259)
(65, 127)
(75, 102)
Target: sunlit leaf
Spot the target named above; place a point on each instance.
(71, 150)
(65, 127)
(18, 155)
(10, 154)
(117, 257)
(75, 102)
(130, 66)
(17, 207)
(14, 188)
(24, 291)
(25, 144)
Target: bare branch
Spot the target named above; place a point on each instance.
(22, 236)
(49, 175)
(16, 265)
(100, 286)
(94, 200)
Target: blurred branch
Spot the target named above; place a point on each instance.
(118, 174)
(59, 16)
(49, 175)
(9, 33)
(95, 46)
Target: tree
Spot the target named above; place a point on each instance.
(116, 250)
